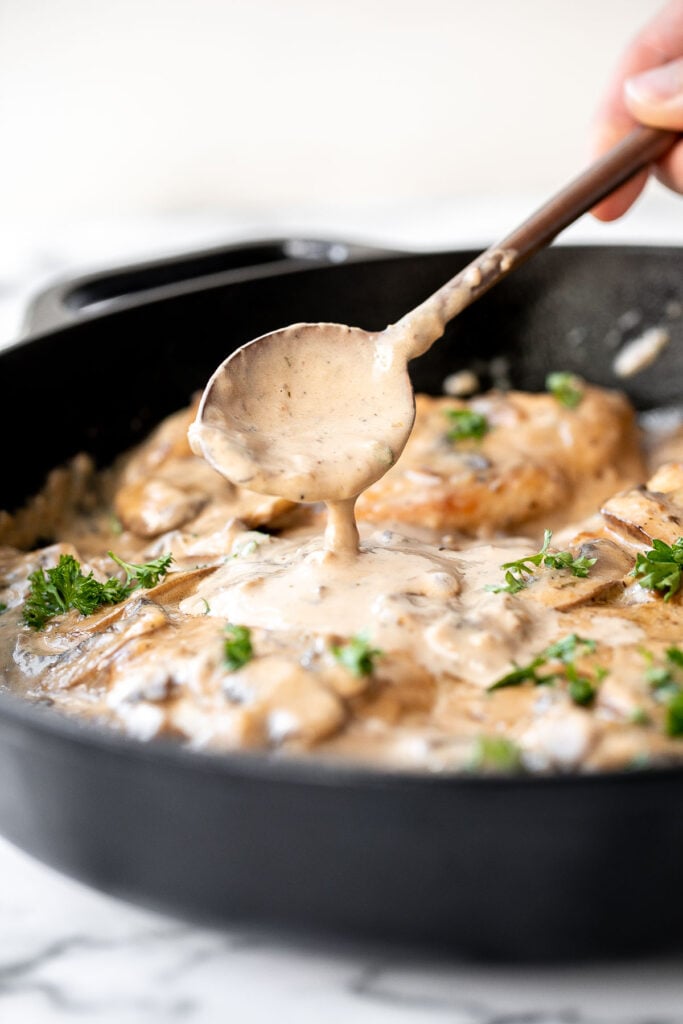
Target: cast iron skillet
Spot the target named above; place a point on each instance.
(523, 869)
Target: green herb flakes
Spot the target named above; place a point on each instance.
(581, 688)
(660, 569)
(466, 424)
(666, 682)
(566, 388)
(495, 754)
(356, 655)
(518, 573)
(674, 715)
(58, 590)
(238, 650)
(145, 574)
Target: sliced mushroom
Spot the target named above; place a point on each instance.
(641, 514)
(559, 589)
(150, 507)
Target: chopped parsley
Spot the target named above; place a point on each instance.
(143, 574)
(3, 607)
(565, 387)
(115, 524)
(660, 567)
(567, 648)
(675, 656)
(666, 682)
(565, 560)
(513, 583)
(581, 688)
(242, 548)
(65, 587)
(238, 649)
(356, 655)
(517, 573)
(495, 754)
(639, 716)
(659, 678)
(466, 424)
(674, 715)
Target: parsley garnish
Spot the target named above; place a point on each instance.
(57, 590)
(660, 567)
(565, 388)
(566, 649)
(522, 674)
(667, 688)
(3, 607)
(659, 678)
(518, 572)
(565, 560)
(356, 655)
(674, 715)
(466, 424)
(115, 524)
(581, 688)
(241, 548)
(495, 754)
(145, 574)
(238, 649)
(639, 716)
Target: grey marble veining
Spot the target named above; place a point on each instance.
(70, 953)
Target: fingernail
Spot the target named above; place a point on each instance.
(659, 85)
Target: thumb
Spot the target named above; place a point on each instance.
(655, 97)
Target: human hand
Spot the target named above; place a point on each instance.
(646, 87)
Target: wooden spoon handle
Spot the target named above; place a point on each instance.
(635, 152)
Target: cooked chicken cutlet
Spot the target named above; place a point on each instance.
(537, 458)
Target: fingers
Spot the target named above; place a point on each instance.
(656, 96)
(616, 204)
(660, 42)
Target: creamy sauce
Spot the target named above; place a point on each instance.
(415, 581)
(430, 602)
(308, 415)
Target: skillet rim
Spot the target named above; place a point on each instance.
(300, 768)
(370, 254)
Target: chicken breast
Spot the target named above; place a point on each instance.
(537, 457)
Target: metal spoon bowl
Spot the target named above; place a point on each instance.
(262, 425)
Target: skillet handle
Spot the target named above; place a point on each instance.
(73, 299)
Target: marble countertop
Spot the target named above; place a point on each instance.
(67, 953)
(70, 953)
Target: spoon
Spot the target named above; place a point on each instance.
(320, 411)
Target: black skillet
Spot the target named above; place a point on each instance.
(521, 868)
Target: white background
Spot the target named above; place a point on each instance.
(131, 107)
(136, 128)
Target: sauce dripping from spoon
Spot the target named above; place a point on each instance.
(319, 412)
